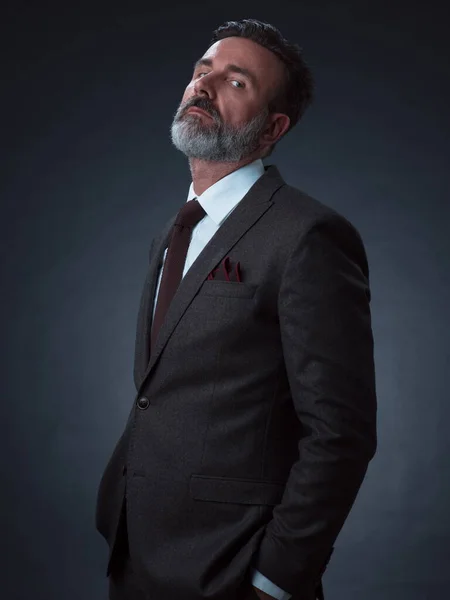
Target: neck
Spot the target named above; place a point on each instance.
(206, 173)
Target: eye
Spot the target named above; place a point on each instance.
(241, 85)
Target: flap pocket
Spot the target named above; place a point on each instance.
(232, 489)
(234, 289)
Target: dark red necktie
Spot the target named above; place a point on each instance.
(189, 215)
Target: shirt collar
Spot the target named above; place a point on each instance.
(223, 196)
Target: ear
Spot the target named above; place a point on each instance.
(277, 126)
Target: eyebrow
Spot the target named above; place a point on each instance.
(230, 67)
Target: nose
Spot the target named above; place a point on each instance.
(203, 86)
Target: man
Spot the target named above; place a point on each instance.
(255, 414)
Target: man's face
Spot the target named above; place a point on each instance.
(235, 102)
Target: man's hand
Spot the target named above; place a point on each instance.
(263, 595)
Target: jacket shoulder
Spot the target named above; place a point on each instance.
(304, 211)
(298, 202)
(298, 213)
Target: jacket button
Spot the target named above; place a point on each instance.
(143, 403)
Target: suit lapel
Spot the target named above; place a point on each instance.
(254, 204)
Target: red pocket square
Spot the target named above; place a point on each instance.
(223, 272)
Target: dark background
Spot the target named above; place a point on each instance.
(89, 176)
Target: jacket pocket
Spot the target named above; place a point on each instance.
(233, 289)
(235, 490)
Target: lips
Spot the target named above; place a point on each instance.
(198, 110)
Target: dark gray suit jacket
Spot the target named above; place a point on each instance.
(260, 418)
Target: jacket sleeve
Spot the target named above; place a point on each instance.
(326, 334)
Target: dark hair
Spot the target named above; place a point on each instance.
(296, 94)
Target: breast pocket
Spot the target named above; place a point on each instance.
(230, 289)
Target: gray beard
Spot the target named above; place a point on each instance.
(198, 137)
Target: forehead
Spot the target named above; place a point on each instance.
(246, 53)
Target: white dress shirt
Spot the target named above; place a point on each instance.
(219, 201)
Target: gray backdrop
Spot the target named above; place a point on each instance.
(89, 175)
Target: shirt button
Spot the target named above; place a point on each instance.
(143, 403)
